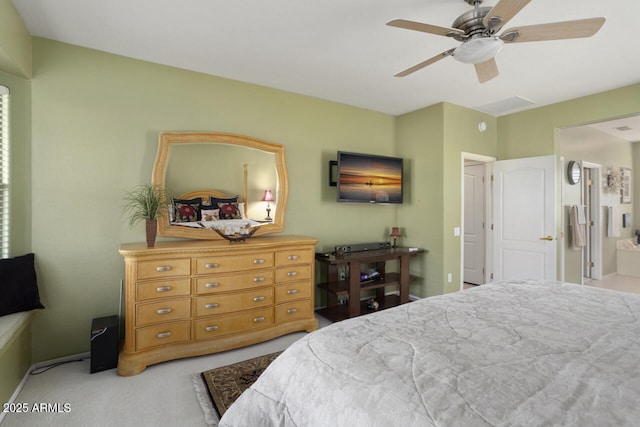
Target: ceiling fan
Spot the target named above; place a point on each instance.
(477, 29)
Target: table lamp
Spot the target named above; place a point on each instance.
(268, 197)
(395, 233)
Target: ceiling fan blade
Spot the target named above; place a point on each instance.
(553, 31)
(503, 12)
(487, 70)
(423, 64)
(425, 28)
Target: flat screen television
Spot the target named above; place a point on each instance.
(367, 178)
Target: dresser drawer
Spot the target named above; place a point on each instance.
(161, 311)
(294, 272)
(163, 268)
(227, 303)
(166, 333)
(233, 282)
(223, 325)
(162, 289)
(294, 256)
(225, 264)
(293, 310)
(293, 291)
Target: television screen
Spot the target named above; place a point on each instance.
(366, 178)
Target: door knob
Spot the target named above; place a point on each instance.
(546, 238)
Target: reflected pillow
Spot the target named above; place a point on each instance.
(216, 201)
(18, 285)
(210, 214)
(230, 211)
(187, 210)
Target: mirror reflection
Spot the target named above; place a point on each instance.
(192, 165)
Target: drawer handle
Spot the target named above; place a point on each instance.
(163, 268)
(211, 285)
(211, 328)
(292, 257)
(163, 288)
(212, 305)
(292, 291)
(258, 279)
(212, 265)
(259, 319)
(292, 311)
(258, 299)
(258, 261)
(164, 311)
(163, 335)
(292, 273)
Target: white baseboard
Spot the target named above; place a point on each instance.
(39, 365)
(64, 359)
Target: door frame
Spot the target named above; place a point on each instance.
(596, 217)
(488, 210)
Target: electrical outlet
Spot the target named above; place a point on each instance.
(449, 277)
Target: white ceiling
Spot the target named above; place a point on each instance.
(341, 50)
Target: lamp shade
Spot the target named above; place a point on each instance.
(476, 51)
(395, 232)
(267, 196)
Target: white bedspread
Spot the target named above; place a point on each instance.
(506, 354)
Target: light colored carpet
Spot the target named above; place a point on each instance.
(162, 395)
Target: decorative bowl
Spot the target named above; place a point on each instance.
(240, 236)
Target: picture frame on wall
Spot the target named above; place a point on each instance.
(625, 191)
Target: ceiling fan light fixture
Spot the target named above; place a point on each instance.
(478, 50)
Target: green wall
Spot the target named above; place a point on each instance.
(461, 135)
(93, 120)
(419, 138)
(532, 132)
(433, 139)
(96, 121)
(15, 42)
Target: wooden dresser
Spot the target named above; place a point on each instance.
(190, 298)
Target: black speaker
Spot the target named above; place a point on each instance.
(104, 343)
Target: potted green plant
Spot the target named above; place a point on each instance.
(145, 202)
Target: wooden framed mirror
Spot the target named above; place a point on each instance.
(221, 164)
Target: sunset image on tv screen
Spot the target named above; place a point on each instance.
(370, 179)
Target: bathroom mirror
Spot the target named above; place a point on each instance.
(574, 172)
(197, 164)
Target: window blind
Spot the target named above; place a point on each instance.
(4, 172)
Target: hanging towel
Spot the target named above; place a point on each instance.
(577, 227)
(613, 222)
(582, 217)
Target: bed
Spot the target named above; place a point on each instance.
(504, 354)
(213, 210)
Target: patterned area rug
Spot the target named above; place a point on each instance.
(227, 383)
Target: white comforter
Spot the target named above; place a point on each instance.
(506, 354)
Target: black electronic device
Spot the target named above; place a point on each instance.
(361, 247)
(104, 343)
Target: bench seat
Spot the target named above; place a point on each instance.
(15, 351)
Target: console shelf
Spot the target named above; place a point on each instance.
(341, 312)
(352, 286)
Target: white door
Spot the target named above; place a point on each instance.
(524, 218)
(474, 240)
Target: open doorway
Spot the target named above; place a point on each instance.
(600, 147)
(476, 212)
